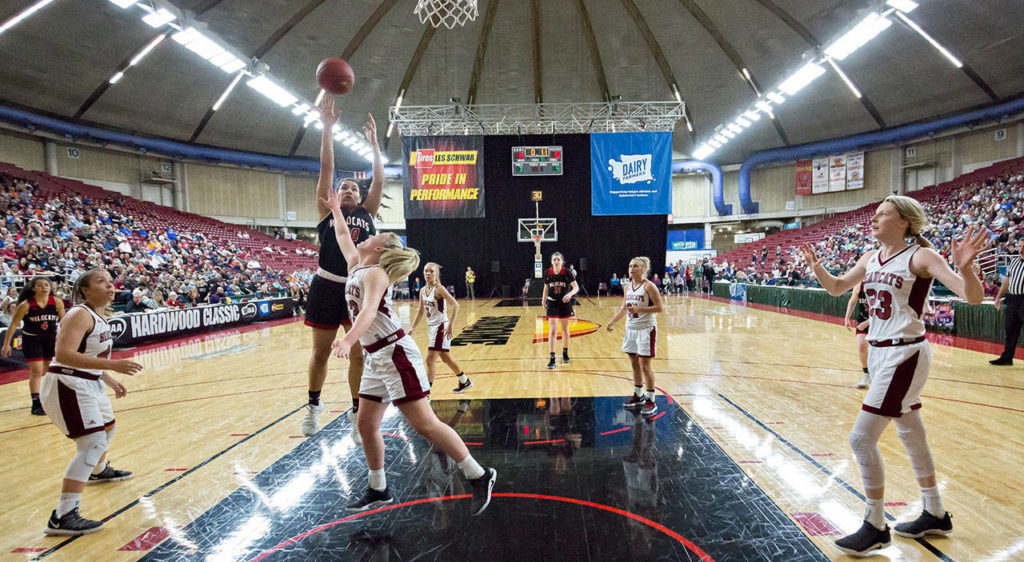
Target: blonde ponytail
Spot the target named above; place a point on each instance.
(398, 261)
(911, 211)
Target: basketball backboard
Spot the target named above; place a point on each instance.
(547, 229)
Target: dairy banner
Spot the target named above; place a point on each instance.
(631, 173)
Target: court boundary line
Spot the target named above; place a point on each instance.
(163, 486)
(922, 541)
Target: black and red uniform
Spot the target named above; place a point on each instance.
(558, 284)
(39, 331)
(862, 309)
(325, 303)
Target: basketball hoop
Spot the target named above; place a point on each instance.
(450, 13)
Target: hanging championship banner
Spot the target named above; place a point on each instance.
(444, 177)
(803, 177)
(855, 170)
(837, 172)
(631, 173)
(819, 171)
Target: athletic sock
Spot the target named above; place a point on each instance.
(650, 395)
(865, 370)
(100, 467)
(68, 501)
(35, 397)
(355, 405)
(932, 501)
(875, 513)
(378, 481)
(314, 397)
(463, 379)
(470, 468)
(638, 391)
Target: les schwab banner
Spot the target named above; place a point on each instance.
(444, 177)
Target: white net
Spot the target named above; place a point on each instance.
(449, 13)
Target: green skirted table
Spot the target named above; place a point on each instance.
(980, 321)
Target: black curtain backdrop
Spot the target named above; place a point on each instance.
(607, 243)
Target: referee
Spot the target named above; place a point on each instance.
(1013, 289)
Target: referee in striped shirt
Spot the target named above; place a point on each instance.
(1013, 289)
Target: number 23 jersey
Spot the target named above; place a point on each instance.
(896, 297)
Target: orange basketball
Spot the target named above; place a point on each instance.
(335, 76)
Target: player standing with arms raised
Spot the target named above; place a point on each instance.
(325, 304)
(642, 301)
(435, 301)
(394, 367)
(897, 279)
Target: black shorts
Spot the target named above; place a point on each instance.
(326, 308)
(559, 309)
(38, 348)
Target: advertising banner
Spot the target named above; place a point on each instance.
(819, 181)
(631, 173)
(803, 177)
(837, 172)
(689, 239)
(855, 170)
(131, 329)
(444, 177)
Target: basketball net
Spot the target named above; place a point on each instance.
(450, 13)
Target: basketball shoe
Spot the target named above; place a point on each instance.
(71, 523)
(311, 421)
(634, 402)
(926, 524)
(565, 356)
(109, 474)
(463, 387)
(371, 499)
(482, 488)
(649, 409)
(865, 381)
(865, 540)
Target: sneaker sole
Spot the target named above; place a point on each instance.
(461, 390)
(105, 480)
(631, 406)
(69, 532)
(651, 413)
(370, 506)
(865, 552)
(924, 533)
(490, 488)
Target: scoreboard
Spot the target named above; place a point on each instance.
(536, 161)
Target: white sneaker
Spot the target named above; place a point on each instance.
(356, 438)
(311, 421)
(865, 381)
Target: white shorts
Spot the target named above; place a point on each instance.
(897, 376)
(394, 373)
(641, 341)
(439, 340)
(77, 406)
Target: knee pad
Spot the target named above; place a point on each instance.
(89, 450)
(869, 457)
(915, 440)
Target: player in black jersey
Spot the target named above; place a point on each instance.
(326, 310)
(41, 312)
(559, 287)
(859, 301)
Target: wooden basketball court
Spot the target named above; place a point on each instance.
(751, 453)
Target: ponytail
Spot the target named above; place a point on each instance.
(646, 263)
(398, 261)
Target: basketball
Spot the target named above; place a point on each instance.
(335, 76)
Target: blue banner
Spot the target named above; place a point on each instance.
(690, 239)
(631, 173)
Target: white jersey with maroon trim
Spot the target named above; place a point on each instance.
(385, 321)
(896, 297)
(637, 294)
(97, 342)
(433, 306)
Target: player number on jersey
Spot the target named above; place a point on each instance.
(879, 304)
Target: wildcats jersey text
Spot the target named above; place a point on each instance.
(360, 226)
(385, 321)
(637, 295)
(433, 307)
(896, 297)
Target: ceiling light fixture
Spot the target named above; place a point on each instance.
(123, 3)
(149, 47)
(703, 152)
(801, 78)
(227, 91)
(865, 31)
(846, 80)
(272, 91)
(956, 62)
(116, 77)
(24, 14)
(776, 98)
(905, 6)
(742, 122)
(735, 128)
(752, 115)
(158, 18)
